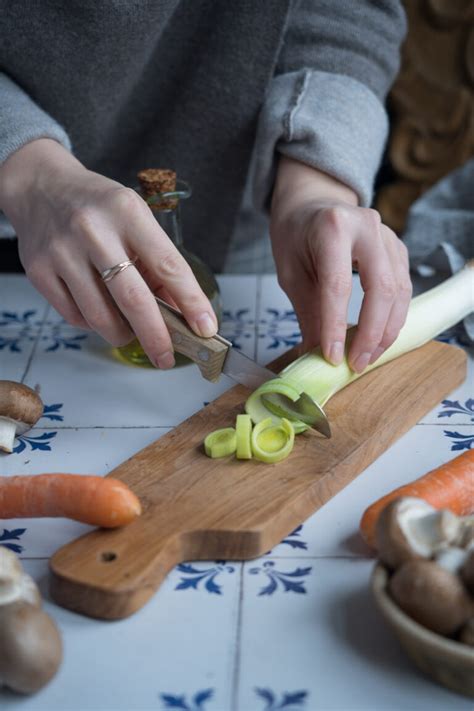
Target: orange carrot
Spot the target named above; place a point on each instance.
(89, 499)
(450, 486)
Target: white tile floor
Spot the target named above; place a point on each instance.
(294, 630)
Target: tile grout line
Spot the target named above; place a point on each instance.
(258, 301)
(35, 345)
(238, 639)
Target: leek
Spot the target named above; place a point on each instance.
(429, 315)
(243, 431)
(271, 443)
(220, 443)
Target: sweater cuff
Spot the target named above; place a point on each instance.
(328, 121)
(22, 121)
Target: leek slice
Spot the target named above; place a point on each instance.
(271, 443)
(429, 314)
(243, 431)
(220, 443)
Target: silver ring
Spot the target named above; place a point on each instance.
(109, 273)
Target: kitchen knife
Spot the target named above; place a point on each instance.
(216, 355)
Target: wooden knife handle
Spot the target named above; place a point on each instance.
(208, 353)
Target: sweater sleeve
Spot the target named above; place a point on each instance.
(325, 104)
(22, 120)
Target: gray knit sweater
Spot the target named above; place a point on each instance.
(213, 88)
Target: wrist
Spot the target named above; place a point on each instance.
(31, 167)
(298, 185)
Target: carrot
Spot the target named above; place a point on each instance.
(449, 486)
(89, 499)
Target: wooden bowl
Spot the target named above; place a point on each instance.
(448, 662)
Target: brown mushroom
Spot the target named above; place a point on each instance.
(30, 644)
(466, 635)
(410, 529)
(431, 595)
(467, 571)
(20, 409)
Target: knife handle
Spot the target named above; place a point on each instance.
(208, 353)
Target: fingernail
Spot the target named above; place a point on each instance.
(336, 353)
(361, 362)
(206, 325)
(165, 360)
(376, 354)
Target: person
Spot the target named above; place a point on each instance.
(269, 108)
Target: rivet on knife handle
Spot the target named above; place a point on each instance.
(208, 353)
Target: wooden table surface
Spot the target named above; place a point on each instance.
(293, 630)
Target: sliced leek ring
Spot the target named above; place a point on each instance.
(243, 430)
(220, 443)
(260, 409)
(272, 443)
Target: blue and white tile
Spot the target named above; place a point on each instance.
(22, 311)
(239, 299)
(325, 645)
(333, 529)
(179, 646)
(277, 325)
(99, 391)
(76, 451)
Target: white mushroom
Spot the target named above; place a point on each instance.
(431, 595)
(30, 645)
(410, 529)
(20, 409)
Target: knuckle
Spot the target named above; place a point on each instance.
(406, 289)
(36, 270)
(170, 265)
(74, 318)
(386, 286)
(389, 337)
(134, 298)
(336, 217)
(338, 284)
(126, 199)
(371, 217)
(81, 220)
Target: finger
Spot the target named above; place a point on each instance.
(168, 267)
(302, 290)
(95, 302)
(333, 263)
(399, 258)
(379, 284)
(139, 307)
(57, 294)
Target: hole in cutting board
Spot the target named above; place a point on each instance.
(108, 556)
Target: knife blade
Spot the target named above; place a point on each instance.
(216, 355)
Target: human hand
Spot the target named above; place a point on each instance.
(318, 234)
(72, 224)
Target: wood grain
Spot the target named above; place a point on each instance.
(196, 508)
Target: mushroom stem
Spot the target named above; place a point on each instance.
(7, 434)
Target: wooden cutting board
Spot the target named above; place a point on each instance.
(197, 508)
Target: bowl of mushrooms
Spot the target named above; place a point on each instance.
(424, 586)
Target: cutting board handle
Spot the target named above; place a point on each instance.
(108, 574)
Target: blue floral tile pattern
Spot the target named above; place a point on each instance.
(236, 326)
(454, 407)
(51, 412)
(193, 577)
(291, 581)
(289, 700)
(293, 540)
(281, 326)
(197, 703)
(460, 441)
(41, 442)
(59, 334)
(16, 328)
(7, 537)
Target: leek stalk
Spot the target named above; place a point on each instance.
(429, 314)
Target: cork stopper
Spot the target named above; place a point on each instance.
(154, 181)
